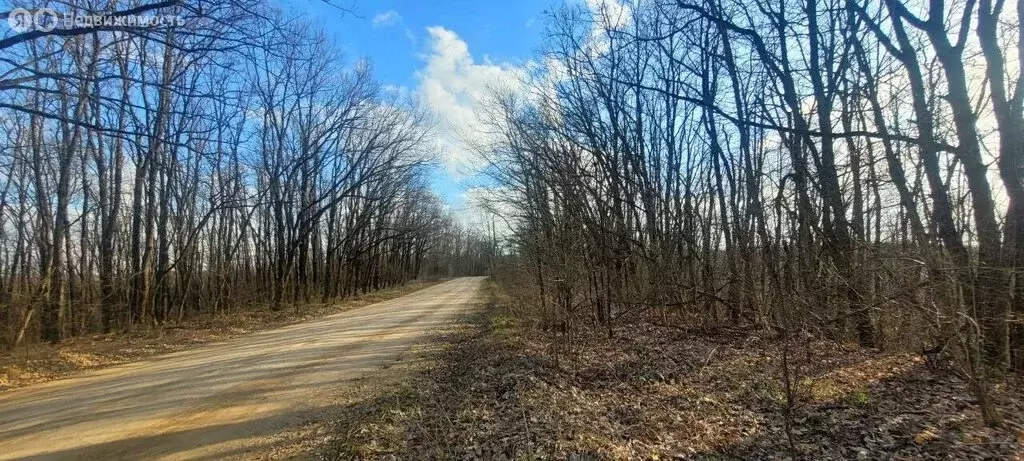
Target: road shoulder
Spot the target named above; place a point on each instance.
(355, 401)
(504, 390)
(39, 363)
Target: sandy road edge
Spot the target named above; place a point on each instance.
(43, 363)
(314, 437)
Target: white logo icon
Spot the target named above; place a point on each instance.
(44, 20)
(20, 20)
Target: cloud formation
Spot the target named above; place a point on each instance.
(453, 85)
(386, 19)
(608, 15)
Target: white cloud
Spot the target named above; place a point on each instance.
(396, 91)
(609, 15)
(411, 36)
(488, 205)
(453, 85)
(386, 19)
(612, 14)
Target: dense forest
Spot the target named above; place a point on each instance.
(846, 169)
(226, 158)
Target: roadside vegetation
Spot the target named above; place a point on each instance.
(41, 362)
(798, 176)
(507, 389)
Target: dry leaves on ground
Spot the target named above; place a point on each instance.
(508, 392)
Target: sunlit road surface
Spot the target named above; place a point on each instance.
(219, 401)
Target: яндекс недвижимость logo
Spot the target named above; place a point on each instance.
(46, 20)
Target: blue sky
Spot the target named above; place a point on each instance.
(444, 53)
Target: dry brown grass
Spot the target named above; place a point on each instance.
(503, 392)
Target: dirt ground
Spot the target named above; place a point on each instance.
(237, 399)
(36, 363)
(505, 390)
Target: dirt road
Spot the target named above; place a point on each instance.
(219, 401)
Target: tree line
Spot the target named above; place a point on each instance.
(847, 168)
(231, 158)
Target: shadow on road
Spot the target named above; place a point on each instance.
(225, 399)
